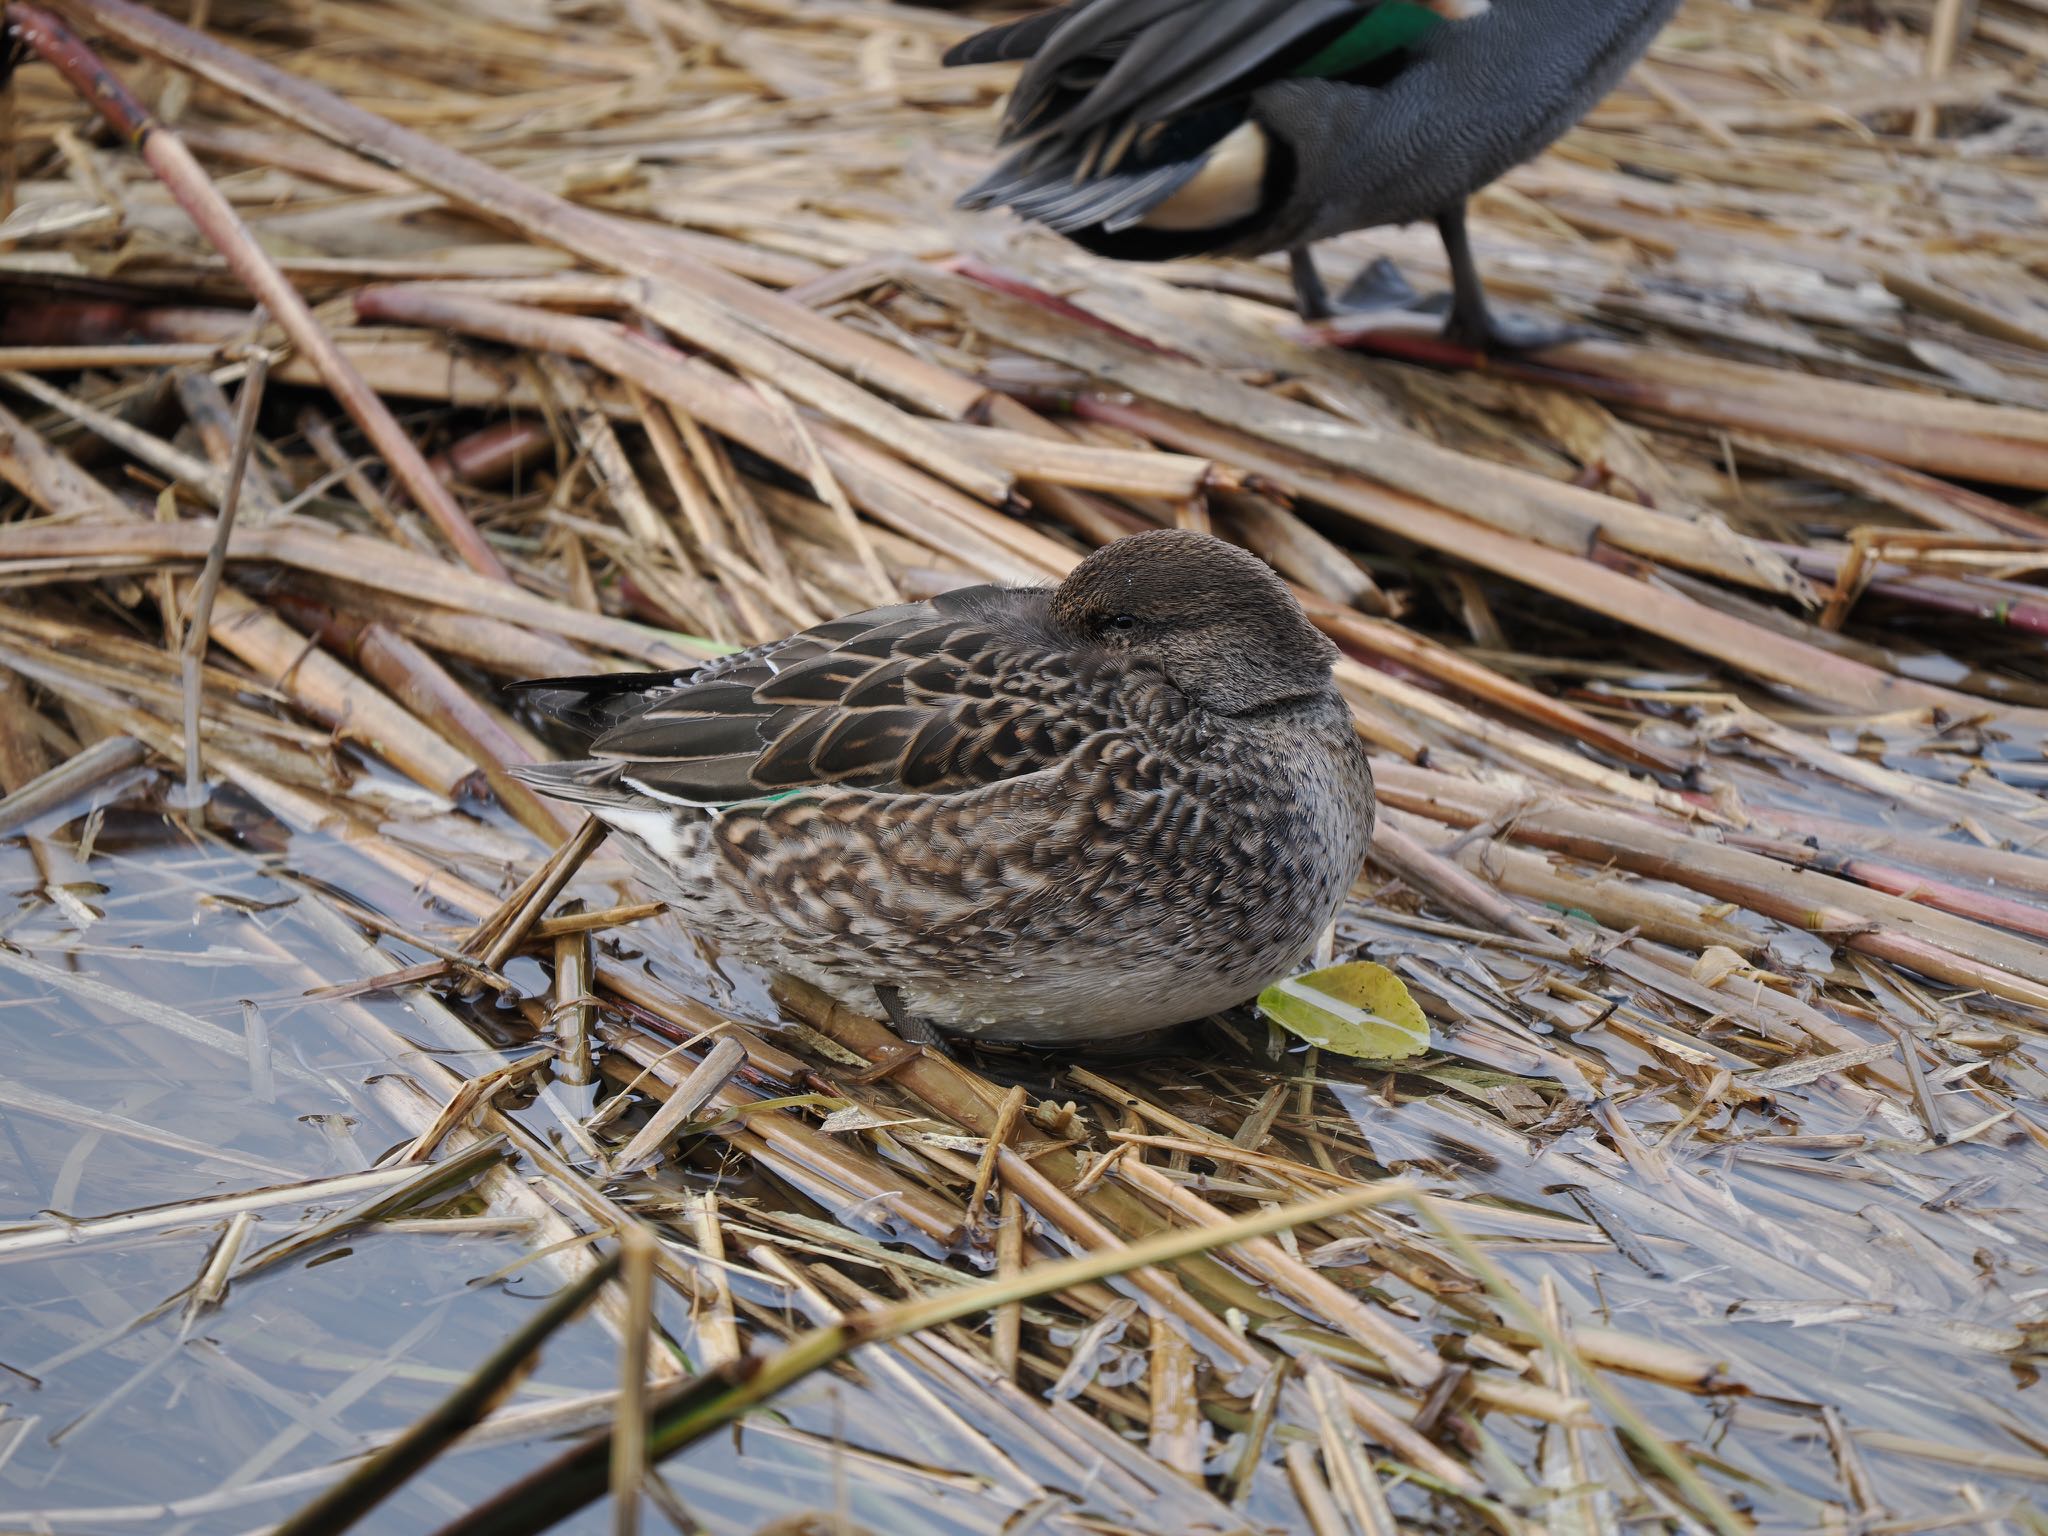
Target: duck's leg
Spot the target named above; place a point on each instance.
(914, 1030)
(1311, 298)
(1380, 286)
(1472, 322)
(1469, 321)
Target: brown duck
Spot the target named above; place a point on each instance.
(1045, 814)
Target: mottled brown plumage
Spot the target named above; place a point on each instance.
(1047, 814)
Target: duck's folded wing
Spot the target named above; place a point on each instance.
(924, 697)
(1012, 40)
(1162, 57)
(603, 701)
(1125, 104)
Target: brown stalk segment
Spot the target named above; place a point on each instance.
(1560, 517)
(1409, 1362)
(199, 612)
(1428, 871)
(332, 694)
(1744, 646)
(968, 1100)
(23, 754)
(423, 686)
(1922, 939)
(353, 558)
(213, 416)
(809, 1159)
(886, 488)
(566, 923)
(173, 164)
(672, 571)
(606, 242)
(271, 648)
(99, 762)
(1161, 1289)
(2004, 445)
(491, 645)
(500, 935)
(1395, 643)
(707, 1079)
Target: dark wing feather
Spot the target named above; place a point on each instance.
(1122, 101)
(1169, 55)
(1013, 40)
(966, 690)
(1042, 183)
(1174, 62)
(602, 702)
(591, 706)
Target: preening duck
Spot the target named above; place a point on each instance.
(1150, 129)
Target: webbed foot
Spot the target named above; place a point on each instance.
(1471, 321)
(1377, 289)
(1381, 285)
(1382, 289)
(1497, 335)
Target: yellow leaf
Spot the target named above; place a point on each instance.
(1360, 1010)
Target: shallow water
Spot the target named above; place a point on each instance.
(118, 1418)
(1855, 1281)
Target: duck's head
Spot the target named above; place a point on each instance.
(1227, 631)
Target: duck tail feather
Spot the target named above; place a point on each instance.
(1009, 42)
(595, 784)
(593, 705)
(1048, 187)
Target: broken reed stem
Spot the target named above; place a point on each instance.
(166, 155)
(565, 923)
(1944, 35)
(706, 1080)
(1009, 1322)
(389, 1470)
(506, 929)
(1706, 1501)
(572, 1013)
(199, 615)
(686, 1413)
(606, 242)
(629, 1421)
(95, 765)
(985, 1169)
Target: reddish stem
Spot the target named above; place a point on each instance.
(1017, 288)
(166, 155)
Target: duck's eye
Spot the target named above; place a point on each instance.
(1124, 621)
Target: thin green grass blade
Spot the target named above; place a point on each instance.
(695, 1408)
(388, 1471)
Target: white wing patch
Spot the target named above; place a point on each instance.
(659, 829)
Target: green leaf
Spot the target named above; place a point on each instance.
(1359, 1010)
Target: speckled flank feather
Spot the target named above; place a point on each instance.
(1040, 814)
